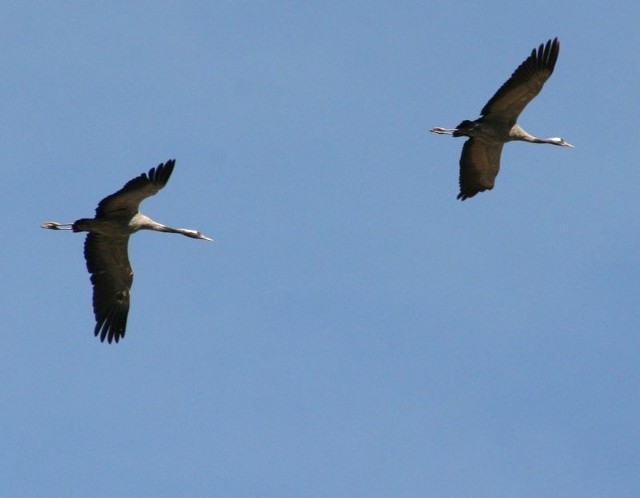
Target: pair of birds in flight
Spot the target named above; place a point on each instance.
(117, 215)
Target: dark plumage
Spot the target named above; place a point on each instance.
(105, 248)
(105, 255)
(480, 160)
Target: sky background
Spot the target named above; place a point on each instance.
(354, 330)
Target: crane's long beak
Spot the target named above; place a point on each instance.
(567, 144)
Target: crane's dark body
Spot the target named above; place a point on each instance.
(480, 159)
(106, 247)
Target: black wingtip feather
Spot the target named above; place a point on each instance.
(547, 55)
(112, 326)
(160, 174)
(544, 57)
(462, 196)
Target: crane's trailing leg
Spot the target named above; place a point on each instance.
(464, 129)
(444, 131)
(53, 225)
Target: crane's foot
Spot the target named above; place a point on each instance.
(52, 225)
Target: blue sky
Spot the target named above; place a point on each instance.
(353, 330)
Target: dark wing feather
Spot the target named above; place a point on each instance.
(479, 166)
(129, 197)
(111, 276)
(525, 83)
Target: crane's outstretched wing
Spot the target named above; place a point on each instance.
(111, 276)
(129, 197)
(479, 166)
(525, 83)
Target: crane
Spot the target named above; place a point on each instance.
(480, 159)
(105, 247)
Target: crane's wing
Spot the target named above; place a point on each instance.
(111, 276)
(479, 166)
(129, 197)
(525, 83)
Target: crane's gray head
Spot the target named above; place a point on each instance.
(559, 141)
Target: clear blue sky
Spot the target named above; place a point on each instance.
(353, 331)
